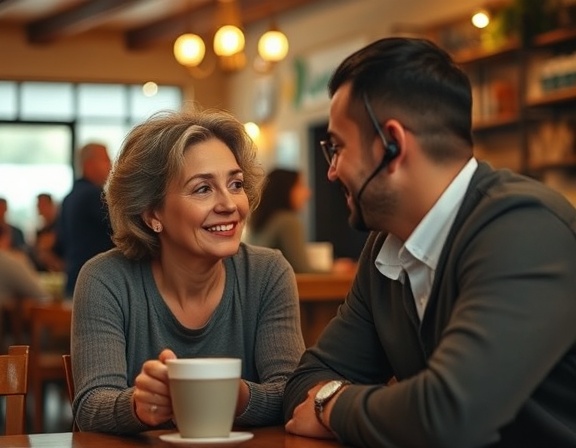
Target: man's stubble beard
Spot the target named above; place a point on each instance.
(376, 204)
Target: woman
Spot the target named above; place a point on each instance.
(276, 222)
(180, 283)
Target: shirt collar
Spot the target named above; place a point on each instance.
(427, 240)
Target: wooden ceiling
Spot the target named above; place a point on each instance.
(144, 23)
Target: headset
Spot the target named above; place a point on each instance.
(391, 149)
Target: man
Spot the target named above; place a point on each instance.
(459, 328)
(45, 259)
(12, 236)
(83, 228)
(18, 279)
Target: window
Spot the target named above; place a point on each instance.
(35, 158)
(42, 123)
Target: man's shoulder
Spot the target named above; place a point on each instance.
(504, 187)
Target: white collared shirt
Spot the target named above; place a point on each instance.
(419, 255)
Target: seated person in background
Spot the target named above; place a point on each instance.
(180, 282)
(12, 236)
(466, 289)
(18, 279)
(276, 222)
(20, 286)
(45, 258)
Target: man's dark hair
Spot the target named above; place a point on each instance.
(417, 83)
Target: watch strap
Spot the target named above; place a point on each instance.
(319, 405)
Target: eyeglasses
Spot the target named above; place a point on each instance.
(330, 149)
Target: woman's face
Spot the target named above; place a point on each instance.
(205, 208)
(299, 194)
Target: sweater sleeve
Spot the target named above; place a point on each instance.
(279, 343)
(103, 400)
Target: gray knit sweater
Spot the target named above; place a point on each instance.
(120, 321)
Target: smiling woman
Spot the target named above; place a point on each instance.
(180, 282)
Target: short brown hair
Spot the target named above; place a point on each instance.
(153, 154)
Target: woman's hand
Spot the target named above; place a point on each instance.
(243, 398)
(151, 397)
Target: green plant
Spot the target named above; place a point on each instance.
(527, 18)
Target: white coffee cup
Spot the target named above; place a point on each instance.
(321, 255)
(204, 394)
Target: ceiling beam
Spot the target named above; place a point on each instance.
(201, 21)
(198, 20)
(254, 10)
(73, 20)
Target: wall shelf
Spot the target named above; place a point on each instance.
(479, 54)
(554, 98)
(504, 121)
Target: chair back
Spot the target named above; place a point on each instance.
(49, 340)
(14, 386)
(67, 361)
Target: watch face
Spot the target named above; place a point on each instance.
(328, 390)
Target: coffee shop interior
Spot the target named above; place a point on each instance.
(75, 71)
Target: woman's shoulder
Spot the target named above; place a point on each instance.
(260, 257)
(249, 251)
(111, 260)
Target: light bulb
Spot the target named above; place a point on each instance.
(481, 19)
(189, 50)
(150, 88)
(273, 46)
(252, 129)
(228, 40)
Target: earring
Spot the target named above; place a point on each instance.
(158, 228)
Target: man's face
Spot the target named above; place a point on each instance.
(355, 160)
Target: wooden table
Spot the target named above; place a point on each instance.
(320, 296)
(270, 437)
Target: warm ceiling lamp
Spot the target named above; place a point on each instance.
(189, 50)
(229, 42)
(273, 45)
(481, 19)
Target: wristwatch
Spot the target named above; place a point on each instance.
(325, 394)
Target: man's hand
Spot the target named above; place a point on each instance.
(304, 421)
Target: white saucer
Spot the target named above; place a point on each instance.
(233, 439)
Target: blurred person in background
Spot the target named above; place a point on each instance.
(44, 256)
(12, 236)
(18, 278)
(277, 222)
(83, 228)
(20, 285)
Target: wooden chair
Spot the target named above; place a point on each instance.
(67, 361)
(14, 386)
(49, 340)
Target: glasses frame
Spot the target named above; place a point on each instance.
(330, 149)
